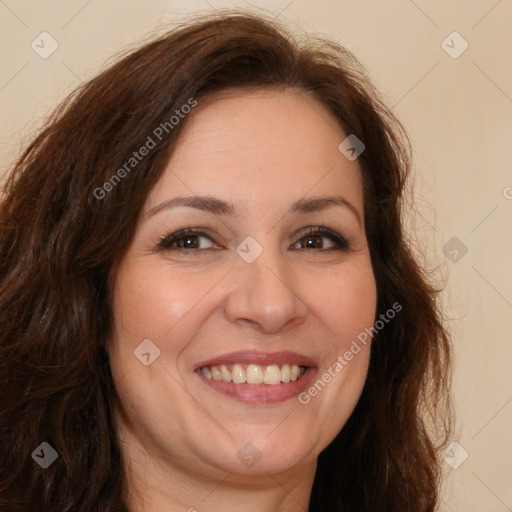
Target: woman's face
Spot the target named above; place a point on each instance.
(256, 292)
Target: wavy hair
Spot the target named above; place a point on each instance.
(61, 241)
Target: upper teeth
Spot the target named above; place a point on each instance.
(254, 373)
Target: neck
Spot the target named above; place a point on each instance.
(155, 485)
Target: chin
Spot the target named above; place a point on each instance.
(261, 454)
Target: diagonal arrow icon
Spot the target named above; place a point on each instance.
(455, 455)
(454, 249)
(249, 455)
(44, 45)
(249, 249)
(454, 45)
(351, 147)
(147, 352)
(45, 455)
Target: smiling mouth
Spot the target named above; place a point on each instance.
(269, 375)
(258, 378)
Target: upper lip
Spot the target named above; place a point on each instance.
(258, 357)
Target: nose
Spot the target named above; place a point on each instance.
(264, 295)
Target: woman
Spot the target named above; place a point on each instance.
(207, 298)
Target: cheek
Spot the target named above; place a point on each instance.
(150, 300)
(345, 302)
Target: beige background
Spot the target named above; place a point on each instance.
(458, 112)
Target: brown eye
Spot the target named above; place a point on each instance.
(185, 240)
(313, 242)
(315, 239)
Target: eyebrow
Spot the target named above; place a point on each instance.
(220, 207)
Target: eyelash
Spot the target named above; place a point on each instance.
(166, 243)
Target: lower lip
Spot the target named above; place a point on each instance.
(261, 394)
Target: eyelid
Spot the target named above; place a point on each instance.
(167, 240)
(322, 231)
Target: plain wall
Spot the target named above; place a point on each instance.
(458, 113)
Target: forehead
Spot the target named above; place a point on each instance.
(274, 143)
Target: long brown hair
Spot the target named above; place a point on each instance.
(61, 240)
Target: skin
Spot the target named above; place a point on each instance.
(261, 151)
